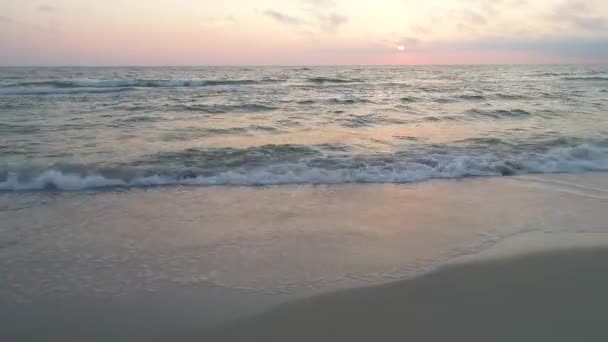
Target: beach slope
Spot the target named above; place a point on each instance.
(550, 296)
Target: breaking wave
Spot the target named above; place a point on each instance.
(293, 164)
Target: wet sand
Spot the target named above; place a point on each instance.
(549, 296)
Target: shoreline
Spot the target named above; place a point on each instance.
(548, 296)
(156, 262)
(56, 182)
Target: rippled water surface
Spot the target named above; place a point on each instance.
(76, 128)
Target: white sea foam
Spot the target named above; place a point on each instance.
(578, 158)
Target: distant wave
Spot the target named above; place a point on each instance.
(551, 74)
(589, 78)
(71, 86)
(210, 108)
(340, 99)
(500, 96)
(511, 96)
(294, 164)
(332, 80)
(119, 83)
(57, 91)
(437, 118)
(202, 108)
(472, 97)
(349, 99)
(354, 121)
(499, 114)
(408, 99)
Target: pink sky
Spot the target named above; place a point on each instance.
(297, 32)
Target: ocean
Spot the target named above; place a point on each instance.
(141, 204)
(92, 128)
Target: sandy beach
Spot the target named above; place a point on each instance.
(550, 296)
(172, 263)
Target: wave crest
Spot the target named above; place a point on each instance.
(72, 86)
(332, 80)
(587, 78)
(268, 166)
(499, 113)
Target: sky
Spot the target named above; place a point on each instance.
(302, 32)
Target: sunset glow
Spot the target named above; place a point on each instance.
(273, 32)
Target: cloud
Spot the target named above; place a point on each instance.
(316, 19)
(487, 6)
(408, 44)
(494, 7)
(215, 20)
(283, 18)
(419, 29)
(332, 22)
(466, 19)
(472, 17)
(590, 49)
(47, 8)
(551, 47)
(578, 15)
(320, 3)
(518, 3)
(366, 49)
(4, 19)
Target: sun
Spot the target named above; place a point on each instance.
(401, 48)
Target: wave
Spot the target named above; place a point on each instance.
(141, 118)
(503, 96)
(589, 78)
(348, 99)
(218, 109)
(499, 114)
(193, 133)
(200, 108)
(121, 83)
(438, 118)
(442, 100)
(366, 120)
(74, 86)
(408, 99)
(332, 80)
(483, 141)
(57, 91)
(19, 129)
(293, 164)
(340, 99)
(551, 74)
(472, 97)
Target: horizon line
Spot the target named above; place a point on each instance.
(286, 65)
